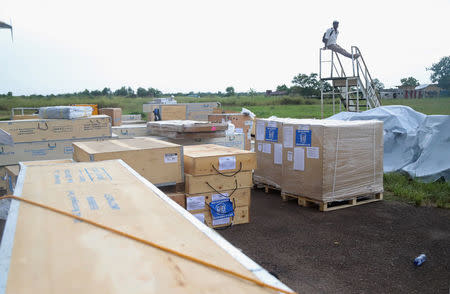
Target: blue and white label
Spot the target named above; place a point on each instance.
(303, 138)
(271, 134)
(221, 209)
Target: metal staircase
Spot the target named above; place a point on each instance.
(355, 92)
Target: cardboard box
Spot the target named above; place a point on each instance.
(331, 160)
(179, 198)
(239, 197)
(130, 131)
(34, 130)
(181, 111)
(241, 216)
(213, 159)
(114, 113)
(243, 124)
(46, 150)
(214, 183)
(124, 201)
(269, 152)
(159, 162)
(12, 171)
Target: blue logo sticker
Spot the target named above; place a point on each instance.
(303, 138)
(221, 209)
(272, 134)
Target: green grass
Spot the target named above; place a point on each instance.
(400, 187)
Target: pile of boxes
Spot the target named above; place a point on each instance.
(243, 124)
(218, 183)
(324, 160)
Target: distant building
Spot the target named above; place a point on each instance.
(421, 91)
(391, 93)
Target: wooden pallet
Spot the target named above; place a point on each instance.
(332, 205)
(267, 188)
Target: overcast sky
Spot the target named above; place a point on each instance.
(195, 45)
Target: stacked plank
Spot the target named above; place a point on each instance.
(187, 129)
(218, 183)
(321, 161)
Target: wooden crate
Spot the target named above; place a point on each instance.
(214, 183)
(158, 161)
(214, 159)
(243, 124)
(114, 113)
(241, 216)
(123, 200)
(179, 198)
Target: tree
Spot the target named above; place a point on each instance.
(9, 94)
(306, 85)
(154, 92)
(121, 92)
(141, 92)
(96, 93)
(410, 81)
(441, 73)
(252, 92)
(377, 85)
(106, 91)
(230, 91)
(283, 88)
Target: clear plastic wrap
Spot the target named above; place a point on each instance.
(65, 112)
(321, 159)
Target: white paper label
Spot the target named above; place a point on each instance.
(272, 124)
(239, 130)
(227, 162)
(267, 148)
(312, 152)
(288, 136)
(260, 130)
(249, 135)
(278, 153)
(299, 158)
(289, 155)
(195, 203)
(303, 127)
(221, 221)
(200, 217)
(223, 196)
(259, 147)
(248, 123)
(171, 158)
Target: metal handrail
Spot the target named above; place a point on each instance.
(355, 49)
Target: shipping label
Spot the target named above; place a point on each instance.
(303, 138)
(271, 134)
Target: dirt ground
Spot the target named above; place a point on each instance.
(364, 249)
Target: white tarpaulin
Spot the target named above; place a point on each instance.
(416, 143)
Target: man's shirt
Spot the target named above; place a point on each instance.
(331, 34)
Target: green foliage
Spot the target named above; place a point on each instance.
(412, 191)
(410, 81)
(441, 73)
(378, 85)
(230, 91)
(306, 85)
(283, 88)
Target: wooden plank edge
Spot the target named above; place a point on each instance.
(240, 257)
(9, 231)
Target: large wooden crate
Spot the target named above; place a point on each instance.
(114, 113)
(200, 201)
(158, 161)
(241, 216)
(214, 159)
(65, 251)
(37, 130)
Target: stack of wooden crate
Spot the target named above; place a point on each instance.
(218, 183)
(243, 124)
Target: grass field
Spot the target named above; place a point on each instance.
(295, 107)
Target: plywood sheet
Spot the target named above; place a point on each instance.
(73, 257)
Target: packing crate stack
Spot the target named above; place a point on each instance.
(46, 139)
(218, 183)
(181, 111)
(114, 113)
(321, 161)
